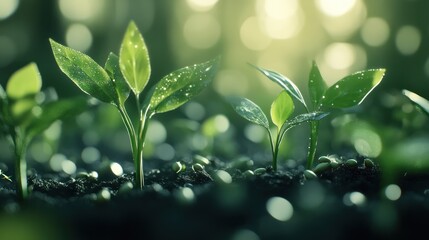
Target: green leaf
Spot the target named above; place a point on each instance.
(249, 111)
(352, 90)
(134, 59)
(316, 85)
(181, 85)
(90, 77)
(114, 72)
(53, 111)
(284, 82)
(417, 100)
(21, 109)
(24, 82)
(306, 117)
(281, 109)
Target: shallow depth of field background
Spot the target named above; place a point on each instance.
(342, 36)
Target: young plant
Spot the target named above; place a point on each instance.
(22, 117)
(281, 109)
(130, 72)
(347, 92)
(417, 100)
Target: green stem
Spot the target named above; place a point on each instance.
(144, 124)
(21, 167)
(274, 161)
(314, 127)
(130, 128)
(276, 150)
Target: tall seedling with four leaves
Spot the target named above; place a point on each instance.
(22, 117)
(130, 72)
(347, 92)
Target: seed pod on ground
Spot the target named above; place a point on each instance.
(248, 173)
(308, 174)
(178, 167)
(334, 164)
(325, 159)
(368, 163)
(222, 177)
(321, 167)
(351, 163)
(260, 171)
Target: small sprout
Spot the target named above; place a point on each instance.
(368, 163)
(201, 160)
(348, 92)
(103, 195)
(222, 177)
(351, 163)
(321, 167)
(5, 177)
(308, 174)
(82, 175)
(197, 167)
(178, 167)
(260, 171)
(126, 187)
(248, 173)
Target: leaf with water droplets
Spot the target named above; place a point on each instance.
(316, 85)
(281, 109)
(53, 111)
(134, 59)
(284, 82)
(90, 77)
(249, 111)
(306, 117)
(182, 85)
(24, 82)
(417, 100)
(351, 90)
(121, 86)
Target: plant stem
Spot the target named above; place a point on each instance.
(21, 167)
(314, 125)
(274, 161)
(143, 126)
(276, 150)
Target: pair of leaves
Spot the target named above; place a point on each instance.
(131, 70)
(417, 100)
(347, 92)
(253, 113)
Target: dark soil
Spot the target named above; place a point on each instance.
(72, 208)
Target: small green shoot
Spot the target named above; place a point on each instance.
(347, 92)
(417, 100)
(130, 72)
(281, 109)
(22, 117)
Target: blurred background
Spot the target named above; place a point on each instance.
(343, 36)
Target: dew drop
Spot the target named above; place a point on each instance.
(336, 86)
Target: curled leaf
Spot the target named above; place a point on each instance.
(417, 100)
(281, 109)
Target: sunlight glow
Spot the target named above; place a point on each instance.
(252, 35)
(340, 55)
(80, 9)
(201, 5)
(202, 31)
(281, 9)
(335, 8)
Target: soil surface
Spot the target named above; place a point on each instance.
(346, 202)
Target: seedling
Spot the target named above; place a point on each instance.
(347, 92)
(418, 101)
(281, 109)
(130, 72)
(23, 117)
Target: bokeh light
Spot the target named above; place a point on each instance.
(335, 8)
(375, 32)
(201, 31)
(279, 208)
(79, 37)
(77, 10)
(201, 5)
(7, 8)
(408, 39)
